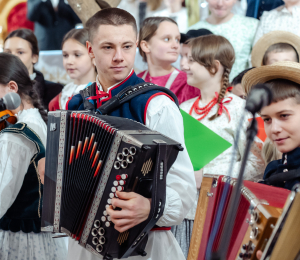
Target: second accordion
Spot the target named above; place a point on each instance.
(88, 158)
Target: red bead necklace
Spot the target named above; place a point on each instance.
(206, 109)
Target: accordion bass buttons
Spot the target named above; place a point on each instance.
(101, 231)
(97, 223)
(117, 165)
(125, 151)
(99, 248)
(102, 240)
(132, 150)
(95, 240)
(107, 224)
(94, 232)
(103, 218)
(113, 189)
(122, 182)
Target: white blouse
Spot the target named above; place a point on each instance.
(16, 152)
(163, 116)
(227, 130)
(279, 19)
(68, 91)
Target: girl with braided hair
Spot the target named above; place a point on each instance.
(210, 60)
(22, 153)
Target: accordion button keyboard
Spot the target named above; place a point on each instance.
(102, 240)
(99, 248)
(95, 240)
(108, 218)
(103, 218)
(111, 195)
(104, 213)
(107, 224)
(118, 177)
(101, 231)
(109, 201)
(94, 232)
(113, 189)
(120, 188)
(122, 182)
(116, 183)
(97, 223)
(124, 176)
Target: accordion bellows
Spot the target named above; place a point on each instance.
(88, 158)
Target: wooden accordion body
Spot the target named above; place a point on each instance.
(88, 158)
(257, 214)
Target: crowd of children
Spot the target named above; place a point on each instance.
(104, 52)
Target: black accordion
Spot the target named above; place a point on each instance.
(88, 158)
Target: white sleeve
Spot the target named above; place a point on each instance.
(164, 116)
(16, 152)
(260, 28)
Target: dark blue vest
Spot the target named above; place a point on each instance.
(293, 163)
(25, 213)
(135, 109)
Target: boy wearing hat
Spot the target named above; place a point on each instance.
(281, 119)
(274, 47)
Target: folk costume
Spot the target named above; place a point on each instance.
(158, 112)
(60, 101)
(287, 170)
(21, 147)
(175, 81)
(226, 126)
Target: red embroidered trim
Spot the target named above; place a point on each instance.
(146, 107)
(109, 92)
(160, 228)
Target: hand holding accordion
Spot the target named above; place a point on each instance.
(134, 210)
(89, 158)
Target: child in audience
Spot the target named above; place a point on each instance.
(184, 48)
(210, 61)
(274, 47)
(237, 88)
(177, 12)
(22, 148)
(282, 118)
(159, 43)
(78, 64)
(23, 43)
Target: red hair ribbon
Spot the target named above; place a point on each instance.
(222, 105)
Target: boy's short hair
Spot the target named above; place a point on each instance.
(283, 89)
(239, 77)
(279, 47)
(109, 16)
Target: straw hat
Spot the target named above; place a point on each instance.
(280, 70)
(269, 39)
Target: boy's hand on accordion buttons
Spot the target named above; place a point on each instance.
(135, 210)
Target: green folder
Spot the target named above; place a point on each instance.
(203, 145)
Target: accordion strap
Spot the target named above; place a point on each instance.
(283, 176)
(129, 93)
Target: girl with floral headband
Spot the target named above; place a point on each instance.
(210, 60)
